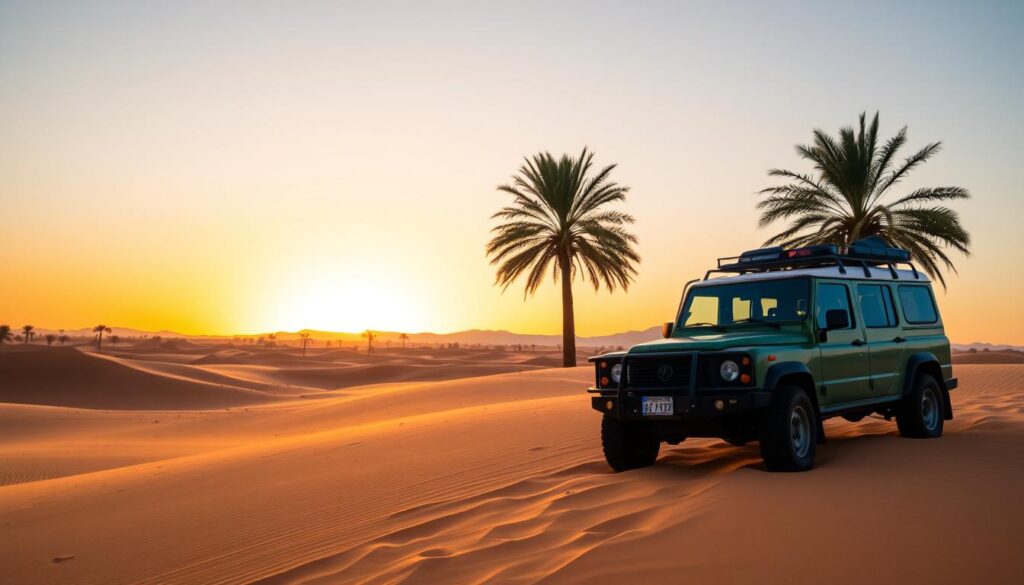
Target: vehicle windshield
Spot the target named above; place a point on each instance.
(764, 301)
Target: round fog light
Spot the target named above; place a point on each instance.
(729, 371)
(719, 405)
(609, 405)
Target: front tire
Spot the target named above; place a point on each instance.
(789, 431)
(920, 414)
(626, 446)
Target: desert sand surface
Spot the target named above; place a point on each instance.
(215, 465)
(989, 357)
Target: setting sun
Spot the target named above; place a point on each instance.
(348, 307)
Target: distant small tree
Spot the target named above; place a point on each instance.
(50, 338)
(972, 350)
(5, 333)
(63, 338)
(370, 336)
(403, 337)
(27, 331)
(305, 342)
(272, 339)
(18, 337)
(114, 339)
(100, 330)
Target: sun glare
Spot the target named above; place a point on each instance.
(350, 309)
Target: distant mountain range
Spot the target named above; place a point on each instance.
(469, 337)
(985, 347)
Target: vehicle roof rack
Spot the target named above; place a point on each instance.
(865, 253)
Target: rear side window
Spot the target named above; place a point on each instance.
(832, 296)
(876, 305)
(918, 305)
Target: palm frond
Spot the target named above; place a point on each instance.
(845, 198)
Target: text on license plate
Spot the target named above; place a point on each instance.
(656, 405)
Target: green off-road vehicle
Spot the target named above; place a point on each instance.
(782, 341)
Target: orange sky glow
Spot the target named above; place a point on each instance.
(208, 172)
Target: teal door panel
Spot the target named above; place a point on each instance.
(885, 341)
(845, 367)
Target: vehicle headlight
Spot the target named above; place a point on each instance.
(616, 373)
(729, 370)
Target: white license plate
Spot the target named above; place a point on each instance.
(656, 405)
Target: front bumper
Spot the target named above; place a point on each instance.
(704, 405)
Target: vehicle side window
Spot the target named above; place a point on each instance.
(918, 305)
(890, 307)
(876, 305)
(832, 296)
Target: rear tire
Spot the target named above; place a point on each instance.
(789, 431)
(626, 446)
(920, 413)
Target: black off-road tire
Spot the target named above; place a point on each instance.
(789, 431)
(920, 413)
(626, 446)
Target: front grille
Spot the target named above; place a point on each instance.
(659, 372)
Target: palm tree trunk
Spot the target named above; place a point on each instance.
(568, 319)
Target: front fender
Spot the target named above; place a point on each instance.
(777, 371)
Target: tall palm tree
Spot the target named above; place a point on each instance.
(5, 333)
(848, 198)
(100, 329)
(27, 332)
(305, 342)
(370, 337)
(558, 219)
(403, 338)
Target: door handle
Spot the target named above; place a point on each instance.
(857, 342)
(898, 339)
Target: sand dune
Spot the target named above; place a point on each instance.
(71, 377)
(989, 357)
(497, 479)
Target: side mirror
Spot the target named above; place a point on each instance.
(837, 319)
(666, 330)
(834, 319)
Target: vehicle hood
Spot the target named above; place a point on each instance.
(714, 341)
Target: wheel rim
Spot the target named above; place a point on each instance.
(929, 409)
(800, 431)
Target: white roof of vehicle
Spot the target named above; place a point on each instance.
(852, 273)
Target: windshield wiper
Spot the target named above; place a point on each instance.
(716, 327)
(774, 324)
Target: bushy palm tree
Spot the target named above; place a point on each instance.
(850, 196)
(559, 219)
(305, 342)
(62, 339)
(370, 337)
(403, 338)
(50, 338)
(5, 333)
(27, 332)
(100, 330)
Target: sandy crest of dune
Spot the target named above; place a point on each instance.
(500, 479)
